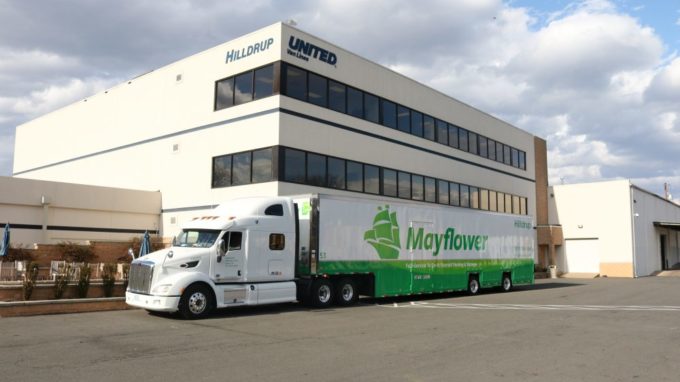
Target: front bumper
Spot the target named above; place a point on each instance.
(156, 303)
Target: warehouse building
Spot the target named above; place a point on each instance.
(614, 229)
(281, 112)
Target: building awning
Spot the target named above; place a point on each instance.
(669, 225)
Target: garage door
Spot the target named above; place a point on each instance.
(582, 256)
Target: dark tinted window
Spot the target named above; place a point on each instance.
(442, 132)
(336, 173)
(222, 171)
(243, 88)
(454, 192)
(262, 165)
(428, 127)
(277, 241)
(462, 139)
(224, 93)
(318, 88)
(389, 182)
(241, 169)
(355, 176)
(235, 241)
(416, 123)
(515, 157)
(316, 169)
(507, 159)
(336, 96)
(492, 149)
(355, 102)
(264, 82)
(371, 108)
(472, 142)
(499, 152)
(294, 162)
(453, 136)
(274, 210)
(418, 188)
(404, 119)
(483, 151)
(443, 192)
(296, 83)
(464, 195)
(389, 113)
(404, 180)
(523, 161)
(430, 190)
(371, 179)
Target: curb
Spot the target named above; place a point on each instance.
(81, 305)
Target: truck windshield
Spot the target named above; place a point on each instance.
(201, 238)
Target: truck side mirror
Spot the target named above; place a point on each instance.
(221, 249)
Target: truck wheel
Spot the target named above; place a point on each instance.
(506, 284)
(473, 285)
(196, 302)
(346, 292)
(321, 293)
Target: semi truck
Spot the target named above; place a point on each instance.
(327, 249)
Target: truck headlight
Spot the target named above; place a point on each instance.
(161, 289)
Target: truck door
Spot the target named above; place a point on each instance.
(229, 267)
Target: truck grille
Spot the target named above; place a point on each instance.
(139, 280)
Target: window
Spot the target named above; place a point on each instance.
(262, 165)
(316, 169)
(483, 149)
(336, 96)
(454, 192)
(428, 127)
(318, 90)
(371, 108)
(453, 136)
(506, 155)
(442, 132)
(371, 179)
(462, 139)
(416, 123)
(336, 173)
(404, 181)
(430, 190)
(501, 202)
(264, 82)
(224, 93)
(234, 241)
(389, 114)
(472, 142)
(492, 149)
(508, 203)
(296, 83)
(389, 182)
(515, 204)
(221, 171)
(243, 88)
(474, 197)
(515, 157)
(274, 210)
(355, 103)
(493, 201)
(499, 152)
(294, 162)
(355, 176)
(442, 191)
(277, 241)
(241, 169)
(523, 206)
(464, 196)
(522, 160)
(418, 187)
(484, 199)
(404, 119)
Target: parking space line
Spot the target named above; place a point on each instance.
(652, 308)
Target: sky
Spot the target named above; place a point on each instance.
(598, 79)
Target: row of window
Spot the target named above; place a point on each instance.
(244, 87)
(318, 90)
(319, 170)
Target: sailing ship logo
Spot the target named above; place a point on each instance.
(384, 236)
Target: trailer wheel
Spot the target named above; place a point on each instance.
(321, 293)
(346, 292)
(473, 285)
(196, 302)
(506, 284)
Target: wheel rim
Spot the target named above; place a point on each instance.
(347, 292)
(506, 283)
(324, 294)
(474, 286)
(197, 303)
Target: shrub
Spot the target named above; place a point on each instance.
(29, 280)
(61, 282)
(76, 253)
(108, 279)
(84, 280)
(18, 254)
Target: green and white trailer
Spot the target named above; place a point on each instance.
(324, 249)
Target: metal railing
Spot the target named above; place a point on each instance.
(16, 271)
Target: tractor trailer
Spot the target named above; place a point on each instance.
(326, 249)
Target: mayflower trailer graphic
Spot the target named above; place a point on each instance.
(384, 236)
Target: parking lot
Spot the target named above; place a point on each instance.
(556, 330)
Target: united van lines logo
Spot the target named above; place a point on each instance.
(384, 236)
(306, 50)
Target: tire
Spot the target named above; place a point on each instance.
(196, 302)
(346, 293)
(473, 285)
(321, 293)
(506, 284)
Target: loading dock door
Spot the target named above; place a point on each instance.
(582, 256)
